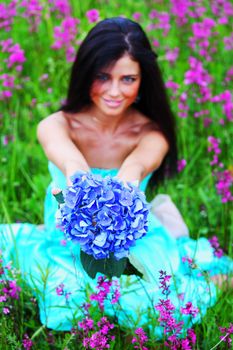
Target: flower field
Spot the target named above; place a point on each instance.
(194, 43)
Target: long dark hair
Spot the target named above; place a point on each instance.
(108, 41)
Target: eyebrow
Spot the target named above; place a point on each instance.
(124, 75)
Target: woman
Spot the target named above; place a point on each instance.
(116, 121)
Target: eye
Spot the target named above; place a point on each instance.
(102, 77)
(128, 79)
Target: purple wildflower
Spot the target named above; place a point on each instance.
(106, 288)
(191, 336)
(16, 57)
(173, 328)
(27, 342)
(140, 338)
(227, 334)
(137, 16)
(62, 292)
(6, 310)
(162, 19)
(92, 15)
(164, 280)
(197, 74)
(224, 185)
(216, 246)
(65, 37)
(7, 13)
(101, 338)
(181, 165)
(87, 324)
(172, 55)
(33, 13)
(189, 309)
(62, 7)
(173, 86)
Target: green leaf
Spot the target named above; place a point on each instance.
(109, 267)
(59, 197)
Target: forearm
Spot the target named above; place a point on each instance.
(131, 172)
(67, 159)
(54, 136)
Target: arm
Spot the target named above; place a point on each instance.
(145, 158)
(53, 134)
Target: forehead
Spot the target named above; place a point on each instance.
(124, 65)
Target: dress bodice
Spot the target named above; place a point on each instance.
(59, 180)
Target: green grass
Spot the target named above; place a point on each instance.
(24, 175)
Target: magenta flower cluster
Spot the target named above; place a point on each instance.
(97, 337)
(140, 339)
(202, 33)
(93, 15)
(61, 291)
(162, 20)
(65, 37)
(181, 164)
(14, 60)
(9, 289)
(27, 342)
(61, 7)
(224, 185)
(216, 246)
(103, 215)
(227, 335)
(107, 289)
(7, 14)
(185, 10)
(16, 56)
(172, 328)
(32, 12)
(197, 74)
(224, 178)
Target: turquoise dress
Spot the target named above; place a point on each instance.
(46, 262)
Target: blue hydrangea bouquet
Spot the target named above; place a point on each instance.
(106, 218)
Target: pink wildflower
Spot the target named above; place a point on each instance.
(33, 13)
(140, 338)
(6, 310)
(224, 185)
(105, 289)
(181, 165)
(227, 337)
(92, 15)
(62, 7)
(27, 342)
(7, 13)
(216, 246)
(172, 55)
(65, 36)
(136, 16)
(189, 309)
(60, 290)
(16, 57)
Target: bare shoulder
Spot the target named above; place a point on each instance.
(54, 119)
(145, 124)
(150, 132)
(53, 126)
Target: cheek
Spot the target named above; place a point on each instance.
(131, 91)
(96, 89)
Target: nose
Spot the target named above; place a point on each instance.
(114, 89)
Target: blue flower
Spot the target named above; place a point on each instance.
(103, 215)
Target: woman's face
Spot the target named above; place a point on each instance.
(116, 88)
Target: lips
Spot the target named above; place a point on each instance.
(112, 103)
